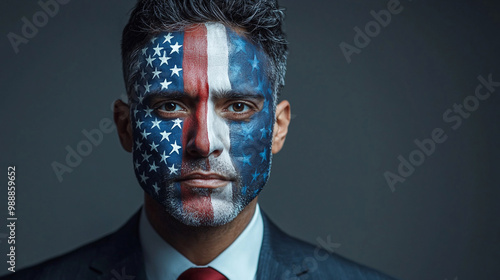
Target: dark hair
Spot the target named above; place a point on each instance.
(261, 20)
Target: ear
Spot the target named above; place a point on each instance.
(121, 115)
(281, 125)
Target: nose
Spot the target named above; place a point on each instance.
(203, 132)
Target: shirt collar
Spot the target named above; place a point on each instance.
(163, 262)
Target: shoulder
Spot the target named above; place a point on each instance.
(74, 262)
(88, 261)
(301, 260)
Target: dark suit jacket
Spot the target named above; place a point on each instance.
(118, 256)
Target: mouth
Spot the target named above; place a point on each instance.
(201, 179)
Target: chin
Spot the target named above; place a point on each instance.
(206, 208)
(221, 213)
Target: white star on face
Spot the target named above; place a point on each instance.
(254, 62)
(263, 155)
(165, 84)
(254, 175)
(155, 186)
(164, 59)
(135, 112)
(148, 112)
(240, 46)
(177, 122)
(153, 40)
(140, 97)
(153, 167)
(138, 124)
(260, 86)
(247, 131)
(153, 146)
(156, 73)
(165, 135)
(146, 87)
(137, 164)
(175, 148)
(156, 123)
(150, 60)
(168, 37)
(158, 50)
(138, 144)
(143, 74)
(145, 134)
(145, 156)
(144, 50)
(136, 86)
(246, 159)
(175, 71)
(175, 48)
(264, 132)
(173, 169)
(164, 157)
(144, 177)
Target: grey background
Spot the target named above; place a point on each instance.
(351, 121)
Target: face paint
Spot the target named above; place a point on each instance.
(202, 117)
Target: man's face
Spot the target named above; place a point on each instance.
(202, 120)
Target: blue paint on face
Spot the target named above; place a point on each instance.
(251, 140)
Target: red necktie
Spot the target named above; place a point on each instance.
(201, 273)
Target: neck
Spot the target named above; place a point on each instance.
(200, 245)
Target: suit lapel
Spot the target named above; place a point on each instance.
(276, 254)
(120, 258)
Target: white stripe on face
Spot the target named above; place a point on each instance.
(218, 57)
(217, 128)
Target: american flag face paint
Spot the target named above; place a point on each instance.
(202, 117)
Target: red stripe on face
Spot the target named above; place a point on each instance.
(195, 141)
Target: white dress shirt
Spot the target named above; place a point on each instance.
(239, 261)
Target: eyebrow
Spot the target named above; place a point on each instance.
(216, 94)
(237, 94)
(169, 94)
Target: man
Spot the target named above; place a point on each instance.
(202, 123)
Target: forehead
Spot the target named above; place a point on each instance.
(210, 54)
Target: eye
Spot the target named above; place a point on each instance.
(170, 107)
(238, 107)
(241, 109)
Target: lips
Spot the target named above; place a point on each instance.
(204, 180)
